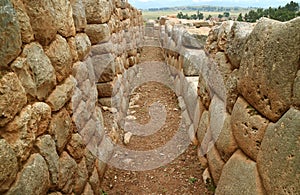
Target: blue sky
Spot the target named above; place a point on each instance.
(143, 4)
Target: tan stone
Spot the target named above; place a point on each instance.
(10, 43)
(60, 56)
(88, 190)
(73, 49)
(62, 94)
(33, 179)
(95, 182)
(35, 71)
(82, 177)
(83, 45)
(76, 147)
(67, 173)
(61, 128)
(24, 21)
(12, 97)
(98, 33)
(215, 163)
(97, 11)
(296, 90)
(64, 17)
(9, 165)
(89, 160)
(226, 143)
(42, 20)
(79, 15)
(101, 168)
(104, 67)
(279, 157)
(47, 149)
(248, 127)
(22, 131)
(264, 83)
(240, 176)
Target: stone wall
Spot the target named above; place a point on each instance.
(56, 59)
(247, 125)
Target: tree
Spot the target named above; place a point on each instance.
(226, 14)
(240, 17)
(220, 16)
(200, 15)
(180, 15)
(209, 17)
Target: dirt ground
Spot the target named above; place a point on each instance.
(181, 176)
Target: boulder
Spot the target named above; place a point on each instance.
(193, 40)
(104, 67)
(9, 165)
(269, 66)
(12, 97)
(76, 146)
(240, 176)
(98, 33)
(279, 157)
(83, 45)
(35, 71)
(97, 11)
(24, 21)
(10, 42)
(248, 127)
(42, 19)
(82, 177)
(215, 163)
(79, 15)
(33, 179)
(67, 173)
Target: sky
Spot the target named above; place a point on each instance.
(144, 4)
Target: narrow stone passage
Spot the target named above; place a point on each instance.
(181, 176)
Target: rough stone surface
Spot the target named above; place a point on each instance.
(10, 40)
(64, 17)
(33, 179)
(248, 128)
(236, 40)
(60, 56)
(265, 84)
(12, 97)
(226, 143)
(62, 94)
(22, 131)
(278, 160)
(67, 173)
(79, 15)
(239, 176)
(104, 67)
(194, 41)
(296, 90)
(94, 181)
(82, 177)
(61, 128)
(47, 149)
(8, 167)
(83, 45)
(35, 71)
(97, 11)
(76, 146)
(88, 190)
(73, 48)
(98, 33)
(24, 21)
(42, 20)
(215, 163)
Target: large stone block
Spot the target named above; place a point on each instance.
(97, 11)
(46, 147)
(24, 21)
(193, 40)
(35, 71)
(98, 33)
(61, 128)
(21, 133)
(12, 97)
(10, 42)
(9, 165)
(79, 15)
(33, 179)
(83, 45)
(82, 177)
(215, 163)
(296, 90)
(67, 173)
(240, 176)
(236, 40)
(62, 94)
(248, 127)
(42, 20)
(60, 56)
(104, 67)
(279, 157)
(269, 66)
(64, 17)
(76, 146)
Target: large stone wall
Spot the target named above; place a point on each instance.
(56, 58)
(248, 99)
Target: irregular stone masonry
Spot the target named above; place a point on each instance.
(57, 59)
(247, 125)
